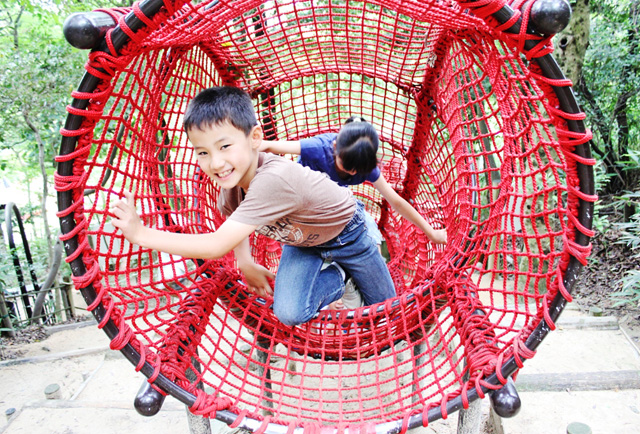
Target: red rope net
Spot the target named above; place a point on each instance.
(471, 134)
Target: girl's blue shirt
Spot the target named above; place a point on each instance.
(317, 154)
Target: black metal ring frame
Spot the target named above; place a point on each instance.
(568, 104)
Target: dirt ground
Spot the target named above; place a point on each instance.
(600, 279)
(16, 347)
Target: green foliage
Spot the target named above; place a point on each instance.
(37, 248)
(630, 236)
(37, 66)
(630, 292)
(630, 231)
(600, 221)
(7, 279)
(611, 50)
(631, 160)
(38, 71)
(609, 88)
(610, 47)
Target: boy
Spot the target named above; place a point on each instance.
(313, 217)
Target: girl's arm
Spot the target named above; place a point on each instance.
(407, 211)
(281, 146)
(198, 246)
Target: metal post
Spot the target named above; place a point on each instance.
(6, 320)
(66, 287)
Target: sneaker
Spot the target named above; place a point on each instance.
(352, 297)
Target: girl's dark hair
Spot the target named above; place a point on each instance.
(217, 105)
(357, 145)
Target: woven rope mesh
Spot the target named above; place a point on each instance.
(470, 135)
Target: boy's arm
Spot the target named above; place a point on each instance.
(281, 146)
(198, 246)
(404, 208)
(256, 276)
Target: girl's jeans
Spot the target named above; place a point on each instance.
(372, 228)
(302, 287)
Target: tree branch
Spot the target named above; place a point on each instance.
(45, 180)
(605, 132)
(14, 28)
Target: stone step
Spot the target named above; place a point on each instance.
(578, 381)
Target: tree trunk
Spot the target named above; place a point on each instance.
(45, 182)
(626, 79)
(571, 43)
(629, 90)
(613, 129)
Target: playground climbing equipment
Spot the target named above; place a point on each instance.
(479, 130)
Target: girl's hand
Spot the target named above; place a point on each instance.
(126, 218)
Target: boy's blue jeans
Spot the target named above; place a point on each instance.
(302, 288)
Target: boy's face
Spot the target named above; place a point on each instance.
(226, 155)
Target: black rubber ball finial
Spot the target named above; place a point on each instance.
(506, 401)
(148, 401)
(85, 30)
(550, 16)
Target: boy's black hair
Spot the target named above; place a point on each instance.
(217, 105)
(357, 145)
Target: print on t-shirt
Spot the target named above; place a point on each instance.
(282, 230)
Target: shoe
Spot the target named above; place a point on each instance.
(352, 297)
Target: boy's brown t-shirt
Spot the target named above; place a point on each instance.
(290, 203)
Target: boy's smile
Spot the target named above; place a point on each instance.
(224, 174)
(226, 154)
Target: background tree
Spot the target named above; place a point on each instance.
(38, 71)
(599, 52)
(571, 44)
(608, 89)
(34, 89)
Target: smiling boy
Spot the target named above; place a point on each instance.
(316, 220)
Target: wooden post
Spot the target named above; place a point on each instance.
(197, 424)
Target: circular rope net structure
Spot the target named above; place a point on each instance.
(479, 132)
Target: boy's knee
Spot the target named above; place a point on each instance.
(291, 318)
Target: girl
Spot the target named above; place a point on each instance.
(350, 158)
